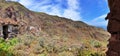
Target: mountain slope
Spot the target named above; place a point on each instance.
(51, 24)
(67, 32)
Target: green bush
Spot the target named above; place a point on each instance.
(6, 46)
(95, 43)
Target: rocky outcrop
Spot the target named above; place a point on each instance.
(5, 24)
(114, 28)
(8, 21)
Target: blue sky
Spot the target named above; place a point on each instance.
(92, 12)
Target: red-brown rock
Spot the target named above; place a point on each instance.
(114, 28)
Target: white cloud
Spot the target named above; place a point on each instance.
(55, 10)
(100, 18)
(99, 21)
(47, 6)
(71, 12)
(25, 2)
(73, 4)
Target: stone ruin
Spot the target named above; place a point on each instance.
(8, 28)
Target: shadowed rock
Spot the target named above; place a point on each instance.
(114, 28)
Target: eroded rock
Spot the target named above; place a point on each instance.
(114, 28)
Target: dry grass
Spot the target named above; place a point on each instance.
(29, 45)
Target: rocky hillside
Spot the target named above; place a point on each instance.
(53, 25)
(54, 28)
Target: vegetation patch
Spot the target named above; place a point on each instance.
(7, 46)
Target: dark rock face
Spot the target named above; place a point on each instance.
(114, 28)
(114, 16)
